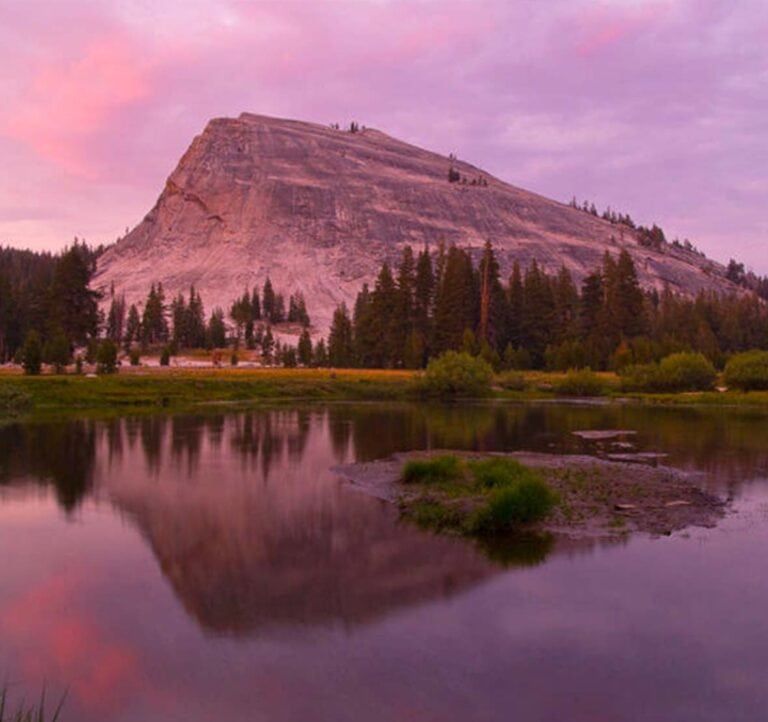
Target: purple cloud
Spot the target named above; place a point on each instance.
(656, 108)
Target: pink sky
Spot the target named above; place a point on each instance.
(655, 108)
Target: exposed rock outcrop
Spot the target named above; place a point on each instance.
(318, 209)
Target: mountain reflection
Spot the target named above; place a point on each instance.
(257, 532)
(252, 529)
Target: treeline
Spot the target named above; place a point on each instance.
(47, 298)
(648, 237)
(182, 324)
(435, 303)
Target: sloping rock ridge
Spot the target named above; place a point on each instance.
(318, 209)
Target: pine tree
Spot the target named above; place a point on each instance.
(629, 300)
(305, 348)
(455, 302)
(116, 319)
(320, 356)
(388, 342)
(538, 313)
(195, 320)
(364, 330)
(494, 309)
(516, 300)
(405, 320)
(268, 301)
(132, 328)
(422, 305)
(217, 331)
(154, 325)
(566, 323)
(340, 349)
(73, 306)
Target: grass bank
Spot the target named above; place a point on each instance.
(148, 389)
(180, 389)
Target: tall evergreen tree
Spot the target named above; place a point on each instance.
(340, 349)
(73, 306)
(455, 302)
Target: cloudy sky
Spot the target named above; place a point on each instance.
(655, 108)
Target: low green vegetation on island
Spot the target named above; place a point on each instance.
(475, 497)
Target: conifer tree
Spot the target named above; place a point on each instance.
(320, 356)
(385, 305)
(494, 311)
(195, 320)
(340, 349)
(116, 319)
(422, 304)
(132, 327)
(217, 331)
(630, 307)
(516, 301)
(455, 302)
(364, 331)
(538, 313)
(304, 349)
(268, 301)
(73, 306)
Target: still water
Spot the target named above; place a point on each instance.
(213, 567)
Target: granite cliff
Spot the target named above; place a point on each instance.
(318, 209)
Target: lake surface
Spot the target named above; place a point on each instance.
(213, 567)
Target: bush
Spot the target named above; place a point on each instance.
(233, 359)
(640, 377)
(106, 357)
(512, 381)
(134, 357)
(498, 472)
(425, 471)
(457, 374)
(165, 356)
(677, 372)
(523, 502)
(581, 382)
(687, 372)
(748, 371)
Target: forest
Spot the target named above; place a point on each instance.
(431, 302)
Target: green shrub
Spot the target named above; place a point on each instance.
(747, 371)
(165, 356)
(134, 357)
(496, 472)
(233, 359)
(512, 381)
(686, 372)
(106, 357)
(526, 501)
(581, 382)
(457, 374)
(678, 372)
(640, 377)
(438, 468)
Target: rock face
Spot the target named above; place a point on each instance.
(318, 210)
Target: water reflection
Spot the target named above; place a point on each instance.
(341, 612)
